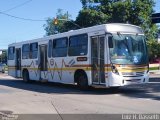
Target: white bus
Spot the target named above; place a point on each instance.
(108, 55)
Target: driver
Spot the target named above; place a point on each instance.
(121, 50)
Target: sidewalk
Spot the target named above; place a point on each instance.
(154, 75)
(154, 70)
(157, 72)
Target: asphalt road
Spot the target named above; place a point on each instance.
(48, 98)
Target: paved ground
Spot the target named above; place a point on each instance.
(47, 98)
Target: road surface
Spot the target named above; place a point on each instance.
(19, 97)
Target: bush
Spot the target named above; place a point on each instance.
(153, 50)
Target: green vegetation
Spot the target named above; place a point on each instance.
(63, 23)
(154, 68)
(3, 56)
(95, 12)
(153, 50)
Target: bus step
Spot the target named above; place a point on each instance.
(43, 80)
(98, 86)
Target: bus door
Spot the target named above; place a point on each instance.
(43, 62)
(97, 59)
(18, 63)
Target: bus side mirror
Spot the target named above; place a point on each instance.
(110, 41)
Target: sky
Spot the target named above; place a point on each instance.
(16, 30)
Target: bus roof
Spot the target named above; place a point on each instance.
(109, 28)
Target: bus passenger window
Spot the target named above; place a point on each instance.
(60, 47)
(33, 50)
(11, 51)
(50, 48)
(25, 51)
(78, 45)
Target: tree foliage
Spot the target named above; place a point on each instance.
(90, 17)
(62, 26)
(3, 56)
(153, 50)
(137, 12)
(95, 12)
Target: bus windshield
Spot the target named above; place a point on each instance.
(128, 49)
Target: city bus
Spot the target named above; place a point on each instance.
(107, 55)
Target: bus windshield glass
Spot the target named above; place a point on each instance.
(128, 49)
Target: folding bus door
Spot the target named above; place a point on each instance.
(43, 62)
(97, 61)
(18, 63)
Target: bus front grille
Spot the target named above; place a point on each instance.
(133, 74)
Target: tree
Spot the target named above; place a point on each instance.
(90, 17)
(153, 50)
(62, 24)
(3, 56)
(144, 9)
(137, 12)
(86, 3)
(91, 14)
(49, 27)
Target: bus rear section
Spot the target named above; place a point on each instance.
(14, 61)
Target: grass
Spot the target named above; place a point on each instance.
(154, 68)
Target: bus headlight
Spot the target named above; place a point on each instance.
(114, 70)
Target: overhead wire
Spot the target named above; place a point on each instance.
(21, 18)
(16, 17)
(17, 6)
(28, 19)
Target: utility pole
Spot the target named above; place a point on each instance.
(67, 15)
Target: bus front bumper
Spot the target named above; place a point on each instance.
(117, 80)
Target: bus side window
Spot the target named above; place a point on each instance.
(110, 42)
(25, 51)
(78, 45)
(33, 50)
(50, 48)
(11, 51)
(60, 47)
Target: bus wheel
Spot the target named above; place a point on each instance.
(114, 88)
(82, 81)
(25, 76)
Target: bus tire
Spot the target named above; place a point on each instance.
(82, 81)
(25, 76)
(115, 88)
